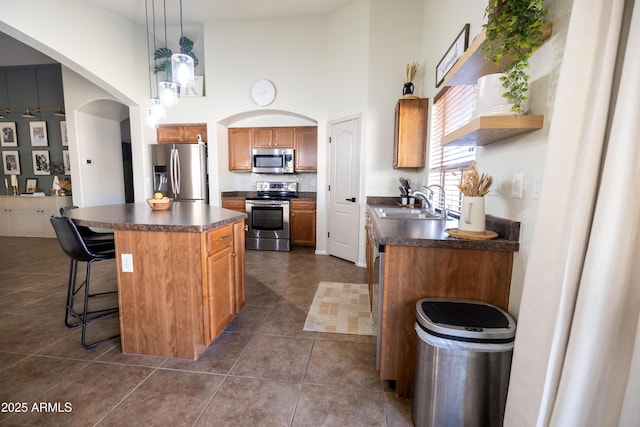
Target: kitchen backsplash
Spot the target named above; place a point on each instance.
(306, 181)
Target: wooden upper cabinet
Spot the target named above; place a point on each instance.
(272, 137)
(283, 138)
(190, 133)
(261, 138)
(240, 149)
(176, 134)
(306, 146)
(169, 134)
(410, 133)
(303, 139)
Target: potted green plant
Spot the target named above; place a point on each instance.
(514, 32)
(164, 54)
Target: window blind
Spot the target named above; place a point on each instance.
(452, 108)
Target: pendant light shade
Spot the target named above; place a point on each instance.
(183, 70)
(157, 109)
(168, 93)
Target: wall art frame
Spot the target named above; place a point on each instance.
(66, 162)
(455, 51)
(63, 133)
(11, 162)
(31, 186)
(38, 131)
(8, 135)
(40, 162)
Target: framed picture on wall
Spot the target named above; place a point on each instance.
(11, 162)
(32, 185)
(38, 134)
(8, 137)
(63, 133)
(40, 162)
(65, 161)
(457, 48)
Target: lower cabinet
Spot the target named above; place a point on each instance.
(219, 284)
(234, 204)
(184, 289)
(28, 216)
(303, 222)
(412, 273)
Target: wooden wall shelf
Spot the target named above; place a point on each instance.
(472, 64)
(487, 129)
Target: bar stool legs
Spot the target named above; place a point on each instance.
(86, 316)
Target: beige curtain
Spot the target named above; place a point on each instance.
(577, 351)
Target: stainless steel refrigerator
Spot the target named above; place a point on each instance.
(180, 171)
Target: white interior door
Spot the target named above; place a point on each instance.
(344, 185)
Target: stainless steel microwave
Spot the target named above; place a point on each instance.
(272, 160)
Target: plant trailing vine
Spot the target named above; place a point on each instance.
(164, 54)
(514, 32)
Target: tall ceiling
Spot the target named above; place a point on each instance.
(193, 12)
(199, 11)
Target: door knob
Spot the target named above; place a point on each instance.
(352, 200)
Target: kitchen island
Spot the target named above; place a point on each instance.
(180, 273)
(421, 260)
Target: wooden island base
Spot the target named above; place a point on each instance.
(180, 273)
(182, 291)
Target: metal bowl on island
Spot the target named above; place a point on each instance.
(160, 204)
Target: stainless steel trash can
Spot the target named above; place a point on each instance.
(463, 363)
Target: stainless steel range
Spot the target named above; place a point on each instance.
(269, 214)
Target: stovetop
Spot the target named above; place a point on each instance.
(276, 190)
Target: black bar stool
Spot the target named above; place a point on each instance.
(90, 236)
(78, 250)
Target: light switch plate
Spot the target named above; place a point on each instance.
(516, 185)
(127, 263)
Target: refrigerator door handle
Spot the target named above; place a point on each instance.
(176, 171)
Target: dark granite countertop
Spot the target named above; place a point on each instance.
(181, 217)
(302, 195)
(431, 233)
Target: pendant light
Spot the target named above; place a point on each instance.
(150, 115)
(182, 66)
(167, 90)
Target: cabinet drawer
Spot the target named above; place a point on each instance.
(219, 238)
(303, 205)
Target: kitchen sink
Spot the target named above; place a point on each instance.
(405, 213)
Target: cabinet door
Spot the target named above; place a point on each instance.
(169, 134)
(282, 138)
(219, 286)
(238, 252)
(234, 204)
(240, 149)
(303, 223)
(306, 146)
(190, 133)
(262, 137)
(410, 133)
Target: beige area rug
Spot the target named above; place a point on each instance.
(341, 308)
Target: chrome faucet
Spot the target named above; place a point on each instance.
(444, 198)
(424, 197)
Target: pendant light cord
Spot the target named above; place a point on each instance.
(146, 12)
(181, 29)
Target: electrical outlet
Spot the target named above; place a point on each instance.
(495, 188)
(516, 185)
(537, 186)
(127, 263)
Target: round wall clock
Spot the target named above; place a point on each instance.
(263, 92)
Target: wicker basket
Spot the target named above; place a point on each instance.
(160, 205)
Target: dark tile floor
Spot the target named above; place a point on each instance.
(263, 370)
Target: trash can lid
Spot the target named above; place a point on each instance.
(465, 320)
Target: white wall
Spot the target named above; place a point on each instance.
(93, 122)
(524, 153)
